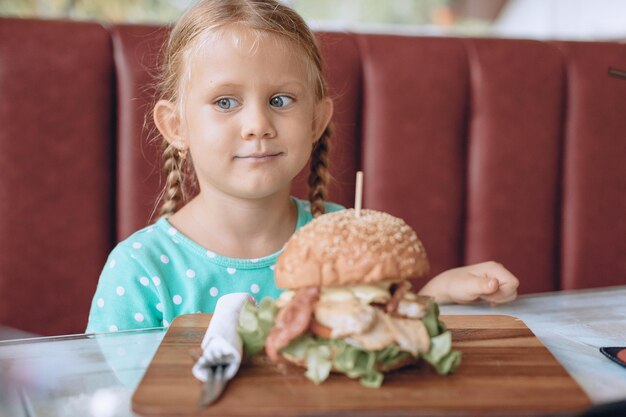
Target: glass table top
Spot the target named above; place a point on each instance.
(79, 375)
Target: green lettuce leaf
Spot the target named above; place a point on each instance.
(314, 353)
(373, 379)
(345, 356)
(255, 323)
(439, 346)
(318, 363)
(441, 356)
(298, 347)
(431, 319)
(448, 363)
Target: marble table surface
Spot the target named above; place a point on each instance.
(573, 325)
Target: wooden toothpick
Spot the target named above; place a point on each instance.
(359, 193)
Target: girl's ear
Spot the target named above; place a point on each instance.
(323, 114)
(167, 120)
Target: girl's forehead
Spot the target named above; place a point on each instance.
(227, 49)
(245, 42)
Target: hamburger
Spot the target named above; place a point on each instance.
(348, 304)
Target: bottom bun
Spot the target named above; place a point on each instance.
(409, 360)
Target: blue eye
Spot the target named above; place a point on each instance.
(281, 101)
(226, 103)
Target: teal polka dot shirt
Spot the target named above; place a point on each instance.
(158, 273)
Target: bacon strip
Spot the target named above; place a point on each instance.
(291, 322)
(398, 294)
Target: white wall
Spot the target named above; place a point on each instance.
(563, 19)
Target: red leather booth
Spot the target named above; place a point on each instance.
(492, 149)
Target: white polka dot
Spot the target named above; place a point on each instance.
(139, 317)
(100, 302)
(113, 328)
(166, 323)
(165, 259)
(254, 261)
(190, 273)
(137, 245)
(210, 254)
(307, 208)
(272, 267)
(150, 230)
(156, 280)
(120, 291)
(231, 270)
(160, 307)
(144, 281)
(213, 291)
(112, 263)
(177, 299)
(172, 231)
(254, 288)
(175, 240)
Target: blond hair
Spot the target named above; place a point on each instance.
(262, 17)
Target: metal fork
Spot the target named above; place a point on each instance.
(214, 385)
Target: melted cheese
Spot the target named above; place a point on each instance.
(368, 293)
(364, 293)
(337, 294)
(410, 296)
(284, 298)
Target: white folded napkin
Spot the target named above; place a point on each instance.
(221, 342)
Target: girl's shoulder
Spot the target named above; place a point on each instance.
(331, 207)
(161, 247)
(158, 241)
(304, 210)
(159, 233)
(305, 205)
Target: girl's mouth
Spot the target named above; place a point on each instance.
(259, 157)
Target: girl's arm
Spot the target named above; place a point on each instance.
(488, 281)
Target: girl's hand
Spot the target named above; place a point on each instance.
(488, 281)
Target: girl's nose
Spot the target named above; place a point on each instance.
(257, 124)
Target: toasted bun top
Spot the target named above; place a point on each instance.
(339, 248)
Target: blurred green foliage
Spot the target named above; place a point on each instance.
(130, 11)
(403, 12)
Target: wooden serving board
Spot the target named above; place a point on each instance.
(505, 370)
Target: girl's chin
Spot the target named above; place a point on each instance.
(254, 183)
(258, 191)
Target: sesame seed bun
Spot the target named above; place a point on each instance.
(339, 249)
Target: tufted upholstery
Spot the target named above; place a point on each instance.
(56, 196)
(511, 150)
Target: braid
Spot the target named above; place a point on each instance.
(174, 191)
(319, 176)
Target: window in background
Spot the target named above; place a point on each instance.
(118, 11)
(437, 17)
(540, 19)
(359, 15)
(563, 19)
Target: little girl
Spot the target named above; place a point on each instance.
(242, 109)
